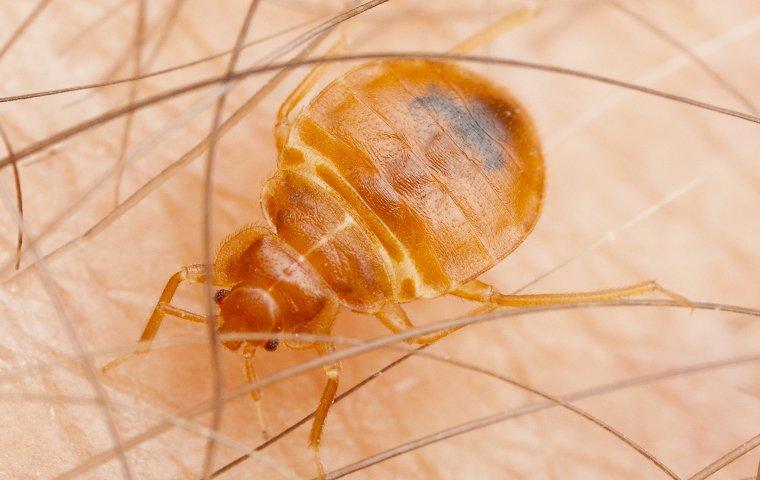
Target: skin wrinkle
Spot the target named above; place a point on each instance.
(528, 409)
(53, 291)
(382, 341)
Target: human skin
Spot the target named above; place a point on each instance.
(610, 175)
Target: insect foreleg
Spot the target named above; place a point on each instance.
(193, 273)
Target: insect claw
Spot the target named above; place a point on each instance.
(679, 299)
(119, 360)
(116, 362)
(321, 475)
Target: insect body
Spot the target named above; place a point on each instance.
(400, 180)
(404, 180)
(394, 186)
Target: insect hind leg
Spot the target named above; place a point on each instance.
(494, 29)
(283, 124)
(478, 291)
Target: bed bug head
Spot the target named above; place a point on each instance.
(273, 288)
(244, 309)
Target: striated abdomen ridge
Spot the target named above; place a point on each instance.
(404, 179)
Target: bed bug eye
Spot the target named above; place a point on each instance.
(271, 345)
(219, 295)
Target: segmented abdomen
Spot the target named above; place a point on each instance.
(404, 179)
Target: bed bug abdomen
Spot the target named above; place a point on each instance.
(442, 169)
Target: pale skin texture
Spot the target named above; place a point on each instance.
(702, 245)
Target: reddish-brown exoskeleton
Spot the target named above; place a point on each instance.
(400, 180)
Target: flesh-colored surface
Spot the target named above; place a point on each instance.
(605, 177)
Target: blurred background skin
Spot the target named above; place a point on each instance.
(678, 187)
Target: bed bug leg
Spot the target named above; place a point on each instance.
(511, 19)
(322, 325)
(332, 371)
(396, 320)
(194, 273)
(250, 373)
(478, 291)
(282, 126)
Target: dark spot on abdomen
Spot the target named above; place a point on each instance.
(465, 124)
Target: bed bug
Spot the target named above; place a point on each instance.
(400, 180)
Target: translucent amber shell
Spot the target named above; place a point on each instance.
(405, 179)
